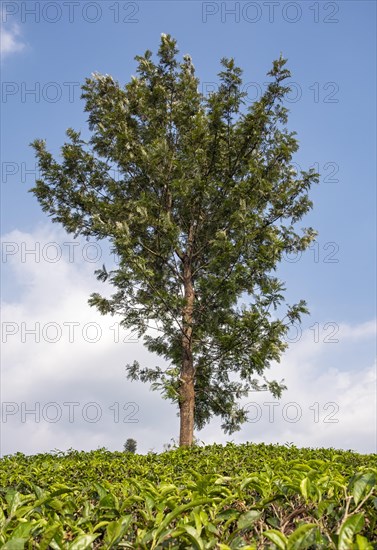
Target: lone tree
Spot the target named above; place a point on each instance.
(130, 446)
(199, 215)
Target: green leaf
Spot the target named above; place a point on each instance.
(109, 501)
(14, 500)
(177, 512)
(350, 527)
(63, 490)
(273, 521)
(14, 544)
(22, 530)
(212, 528)
(82, 542)
(100, 525)
(362, 485)
(198, 521)
(116, 529)
(277, 538)
(247, 519)
(363, 543)
(302, 537)
(48, 534)
(102, 492)
(305, 488)
(194, 536)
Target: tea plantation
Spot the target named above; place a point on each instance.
(222, 497)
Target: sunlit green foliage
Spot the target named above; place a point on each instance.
(237, 496)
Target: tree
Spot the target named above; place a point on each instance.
(200, 213)
(130, 446)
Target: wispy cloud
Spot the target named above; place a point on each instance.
(10, 39)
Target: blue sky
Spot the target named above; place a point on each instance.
(51, 47)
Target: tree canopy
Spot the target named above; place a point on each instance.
(201, 211)
(130, 446)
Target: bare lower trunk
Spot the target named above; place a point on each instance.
(187, 404)
(187, 390)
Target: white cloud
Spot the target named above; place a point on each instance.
(331, 386)
(10, 40)
(331, 400)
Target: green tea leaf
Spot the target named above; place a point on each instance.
(14, 544)
(305, 488)
(363, 543)
(177, 512)
(277, 538)
(82, 542)
(302, 537)
(116, 529)
(247, 519)
(194, 536)
(49, 533)
(350, 527)
(362, 485)
(14, 500)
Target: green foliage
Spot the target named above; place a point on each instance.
(203, 206)
(130, 446)
(221, 497)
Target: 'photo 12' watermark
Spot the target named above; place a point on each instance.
(67, 332)
(70, 12)
(316, 92)
(270, 12)
(69, 411)
(39, 92)
(52, 252)
(21, 172)
(54, 92)
(292, 412)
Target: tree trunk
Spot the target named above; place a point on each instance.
(187, 402)
(187, 391)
